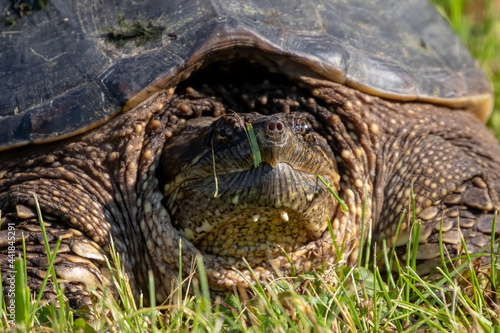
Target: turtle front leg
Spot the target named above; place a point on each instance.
(79, 262)
(453, 168)
(467, 212)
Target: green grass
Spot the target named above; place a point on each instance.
(477, 22)
(336, 298)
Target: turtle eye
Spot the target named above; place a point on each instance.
(301, 125)
(306, 129)
(223, 134)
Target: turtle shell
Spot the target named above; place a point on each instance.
(73, 64)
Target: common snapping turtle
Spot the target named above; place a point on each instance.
(208, 122)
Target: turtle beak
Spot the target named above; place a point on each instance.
(273, 161)
(270, 155)
(272, 141)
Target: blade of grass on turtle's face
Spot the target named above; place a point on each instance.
(253, 144)
(341, 202)
(215, 172)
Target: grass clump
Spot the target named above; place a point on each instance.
(332, 298)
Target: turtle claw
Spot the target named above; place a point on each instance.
(77, 273)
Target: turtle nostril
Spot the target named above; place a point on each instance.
(275, 126)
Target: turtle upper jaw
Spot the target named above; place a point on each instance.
(209, 147)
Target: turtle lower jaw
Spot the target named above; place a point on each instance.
(261, 232)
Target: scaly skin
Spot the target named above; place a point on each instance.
(118, 181)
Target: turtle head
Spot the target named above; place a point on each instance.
(249, 180)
